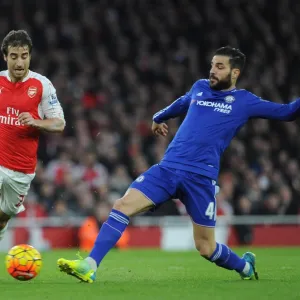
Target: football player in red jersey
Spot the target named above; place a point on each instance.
(28, 105)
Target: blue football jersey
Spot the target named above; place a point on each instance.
(212, 119)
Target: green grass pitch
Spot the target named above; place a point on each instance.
(154, 274)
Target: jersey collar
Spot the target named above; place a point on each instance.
(24, 79)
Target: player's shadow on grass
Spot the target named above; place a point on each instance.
(253, 281)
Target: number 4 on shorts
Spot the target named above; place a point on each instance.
(210, 211)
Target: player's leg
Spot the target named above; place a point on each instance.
(4, 218)
(201, 205)
(111, 231)
(13, 188)
(133, 202)
(153, 187)
(221, 254)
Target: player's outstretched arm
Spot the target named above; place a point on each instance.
(177, 108)
(259, 108)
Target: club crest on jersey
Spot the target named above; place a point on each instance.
(140, 178)
(32, 91)
(229, 99)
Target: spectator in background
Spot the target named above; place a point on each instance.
(114, 63)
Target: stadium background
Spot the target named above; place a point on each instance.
(114, 64)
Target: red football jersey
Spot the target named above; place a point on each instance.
(19, 143)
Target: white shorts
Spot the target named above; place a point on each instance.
(14, 187)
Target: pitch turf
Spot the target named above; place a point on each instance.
(152, 274)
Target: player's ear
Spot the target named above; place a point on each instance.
(4, 57)
(235, 73)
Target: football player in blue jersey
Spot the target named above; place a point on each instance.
(215, 110)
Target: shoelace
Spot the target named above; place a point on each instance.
(79, 256)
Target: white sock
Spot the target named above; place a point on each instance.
(246, 269)
(2, 231)
(92, 263)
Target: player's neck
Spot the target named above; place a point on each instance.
(232, 87)
(15, 80)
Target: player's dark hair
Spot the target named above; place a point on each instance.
(237, 59)
(16, 38)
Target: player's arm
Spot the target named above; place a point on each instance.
(51, 112)
(177, 108)
(259, 108)
(49, 125)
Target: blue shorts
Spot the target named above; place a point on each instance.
(196, 192)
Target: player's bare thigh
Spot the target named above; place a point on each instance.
(204, 238)
(3, 216)
(133, 202)
(3, 219)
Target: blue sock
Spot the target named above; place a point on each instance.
(109, 234)
(225, 258)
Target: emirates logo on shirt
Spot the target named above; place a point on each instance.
(11, 117)
(32, 91)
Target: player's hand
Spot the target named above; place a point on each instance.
(160, 129)
(26, 118)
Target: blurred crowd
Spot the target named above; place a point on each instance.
(115, 63)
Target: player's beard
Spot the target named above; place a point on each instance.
(223, 84)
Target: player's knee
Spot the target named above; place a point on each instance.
(3, 224)
(132, 202)
(205, 248)
(118, 205)
(124, 206)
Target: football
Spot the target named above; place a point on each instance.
(23, 262)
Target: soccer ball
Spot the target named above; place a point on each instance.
(23, 262)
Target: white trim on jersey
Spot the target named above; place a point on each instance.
(49, 106)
